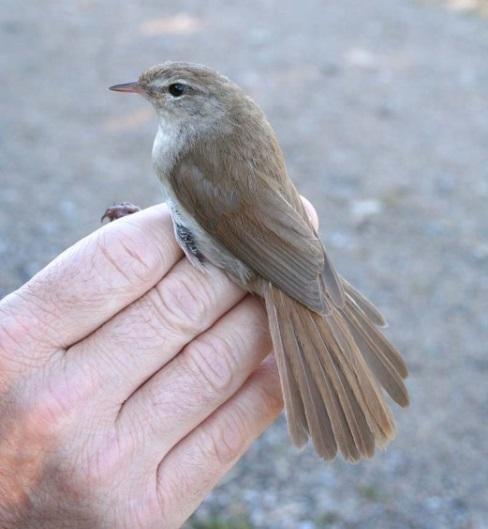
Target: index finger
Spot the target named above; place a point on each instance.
(93, 280)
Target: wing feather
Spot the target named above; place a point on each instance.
(259, 225)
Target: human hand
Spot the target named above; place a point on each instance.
(130, 382)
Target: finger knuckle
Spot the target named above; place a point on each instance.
(223, 444)
(182, 302)
(211, 359)
(273, 399)
(130, 254)
(268, 391)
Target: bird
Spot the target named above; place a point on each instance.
(234, 205)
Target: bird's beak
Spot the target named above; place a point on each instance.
(134, 87)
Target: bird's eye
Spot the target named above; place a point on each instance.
(177, 89)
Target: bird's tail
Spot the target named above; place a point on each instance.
(332, 368)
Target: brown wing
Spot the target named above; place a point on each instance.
(259, 225)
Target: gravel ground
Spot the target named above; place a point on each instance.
(381, 108)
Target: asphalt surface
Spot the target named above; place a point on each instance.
(381, 109)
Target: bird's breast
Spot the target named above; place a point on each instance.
(166, 147)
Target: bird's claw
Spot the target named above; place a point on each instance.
(119, 210)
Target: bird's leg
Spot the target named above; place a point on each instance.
(119, 210)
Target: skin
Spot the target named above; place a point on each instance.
(130, 382)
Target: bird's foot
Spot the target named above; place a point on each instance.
(119, 210)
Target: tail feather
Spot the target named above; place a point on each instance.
(332, 370)
(381, 347)
(297, 422)
(360, 379)
(349, 422)
(390, 381)
(332, 283)
(370, 311)
(319, 369)
(318, 420)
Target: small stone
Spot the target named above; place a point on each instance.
(362, 210)
(362, 58)
(339, 240)
(433, 503)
